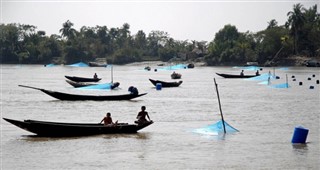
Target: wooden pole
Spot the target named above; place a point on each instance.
(224, 127)
(287, 81)
(111, 73)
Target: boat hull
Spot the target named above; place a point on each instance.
(166, 84)
(57, 129)
(75, 97)
(235, 76)
(82, 79)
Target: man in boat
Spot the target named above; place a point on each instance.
(95, 76)
(242, 74)
(108, 120)
(142, 116)
(257, 73)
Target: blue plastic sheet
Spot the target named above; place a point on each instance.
(80, 64)
(105, 86)
(216, 128)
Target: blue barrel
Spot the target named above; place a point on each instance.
(158, 86)
(300, 135)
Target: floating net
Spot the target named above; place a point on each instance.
(50, 65)
(175, 67)
(80, 64)
(216, 128)
(263, 77)
(253, 68)
(105, 86)
(280, 86)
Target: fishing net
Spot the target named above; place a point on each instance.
(252, 68)
(280, 86)
(216, 128)
(175, 67)
(263, 77)
(98, 86)
(80, 64)
(50, 65)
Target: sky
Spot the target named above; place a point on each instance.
(181, 19)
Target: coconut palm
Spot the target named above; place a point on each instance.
(67, 31)
(295, 23)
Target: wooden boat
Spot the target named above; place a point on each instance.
(84, 84)
(235, 76)
(95, 64)
(175, 75)
(58, 129)
(165, 84)
(82, 79)
(74, 97)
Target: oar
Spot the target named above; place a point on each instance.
(30, 87)
(224, 127)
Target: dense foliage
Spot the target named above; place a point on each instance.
(300, 35)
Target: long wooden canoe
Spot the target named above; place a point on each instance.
(235, 76)
(74, 97)
(166, 84)
(59, 129)
(82, 79)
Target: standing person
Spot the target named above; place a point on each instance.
(142, 116)
(108, 120)
(95, 76)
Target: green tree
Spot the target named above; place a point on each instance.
(67, 31)
(295, 23)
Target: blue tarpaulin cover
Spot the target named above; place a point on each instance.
(216, 128)
(80, 64)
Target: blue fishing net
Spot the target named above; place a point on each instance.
(80, 64)
(263, 77)
(252, 68)
(216, 128)
(50, 65)
(284, 85)
(97, 86)
(175, 67)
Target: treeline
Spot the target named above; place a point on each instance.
(300, 35)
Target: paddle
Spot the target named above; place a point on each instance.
(224, 127)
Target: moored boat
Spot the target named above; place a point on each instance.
(235, 76)
(95, 64)
(82, 79)
(75, 97)
(59, 129)
(166, 84)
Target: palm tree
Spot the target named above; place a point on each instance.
(295, 22)
(273, 23)
(67, 30)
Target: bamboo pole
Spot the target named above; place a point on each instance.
(224, 127)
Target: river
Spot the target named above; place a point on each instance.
(265, 117)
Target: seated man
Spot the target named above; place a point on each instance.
(142, 116)
(108, 120)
